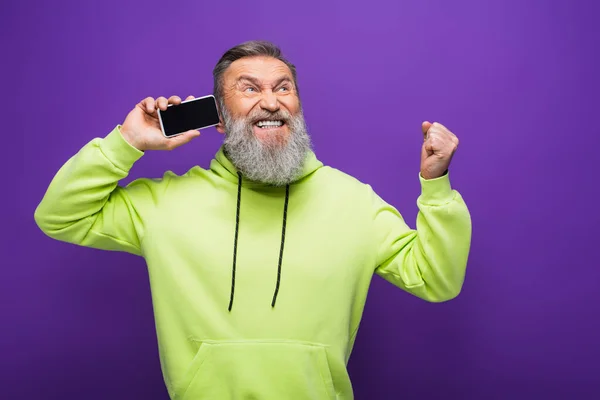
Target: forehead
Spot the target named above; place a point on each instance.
(262, 68)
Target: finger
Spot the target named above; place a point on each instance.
(190, 97)
(162, 103)
(454, 138)
(435, 134)
(425, 127)
(427, 149)
(182, 139)
(148, 105)
(438, 141)
(451, 135)
(442, 133)
(174, 100)
(441, 127)
(446, 135)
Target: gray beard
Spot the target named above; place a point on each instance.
(273, 163)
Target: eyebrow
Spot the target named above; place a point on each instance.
(256, 82)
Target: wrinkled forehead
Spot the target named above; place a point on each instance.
(266, 70)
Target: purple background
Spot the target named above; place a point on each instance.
(516, 80)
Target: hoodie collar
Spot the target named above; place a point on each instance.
(222, 166)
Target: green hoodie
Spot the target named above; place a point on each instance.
(257, 291)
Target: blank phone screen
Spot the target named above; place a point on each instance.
(194, 114)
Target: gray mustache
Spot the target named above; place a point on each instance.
(282, 116)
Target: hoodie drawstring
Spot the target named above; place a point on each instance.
(237, 224)
(285, 206)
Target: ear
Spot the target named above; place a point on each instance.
(220, 127)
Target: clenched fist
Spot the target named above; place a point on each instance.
(438, 148)
(142, 127)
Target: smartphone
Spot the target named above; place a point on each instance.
(191, 114)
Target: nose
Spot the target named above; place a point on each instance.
(269, 101)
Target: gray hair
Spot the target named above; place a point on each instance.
(254, 48)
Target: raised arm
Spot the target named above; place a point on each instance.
(429, 262)
(84, 203)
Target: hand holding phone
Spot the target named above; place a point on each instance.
(142, 127)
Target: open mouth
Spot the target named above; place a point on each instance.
(269, 124)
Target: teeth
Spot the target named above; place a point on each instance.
(269, 123)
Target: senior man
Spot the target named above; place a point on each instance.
(259, 265)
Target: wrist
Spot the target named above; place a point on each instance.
(129, 138)
(427, 176)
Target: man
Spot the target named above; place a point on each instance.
(260, 265)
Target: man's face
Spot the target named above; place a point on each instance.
(259, 88)
(265, 132)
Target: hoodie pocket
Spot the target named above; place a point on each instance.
(258, 369)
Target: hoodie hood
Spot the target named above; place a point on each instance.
(223, 167)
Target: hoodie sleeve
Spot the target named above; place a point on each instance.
(84, 204)
(429, 262)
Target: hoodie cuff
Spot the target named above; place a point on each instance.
(436, 191)
(118, 150)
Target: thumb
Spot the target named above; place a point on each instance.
(425, 126)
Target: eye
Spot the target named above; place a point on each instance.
(283, 89)
(249, 89)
